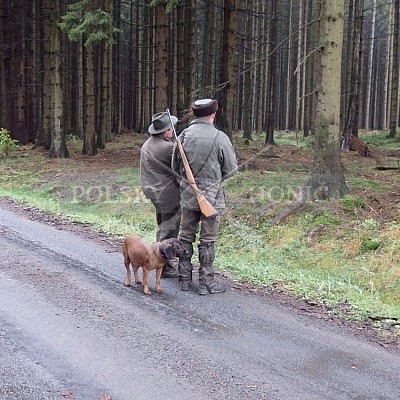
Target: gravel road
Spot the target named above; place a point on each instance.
(69, 329)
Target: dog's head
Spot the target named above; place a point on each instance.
(172, 248)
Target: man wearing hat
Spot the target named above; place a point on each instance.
(212, 160)
(159, 183)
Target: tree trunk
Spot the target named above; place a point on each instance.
(161, 52)
(180, 58)
(209, 46)
(48, 79)
(309, 71)
(2, 76)
(300, 68)
(327, 179)
(131, 102)
(101, 91)
(288, 68)
(80, 120)
(190, 12)
(115, 75)
(226, 82)
(89, 136)
(367, 95)
(351, 124)
(109, 94)
(144, 57)
(347, 61)
(58, 147)
(271, 96)
(30, 87)
(14, 84)
(247, 79)
(262, 50)
(394, 94)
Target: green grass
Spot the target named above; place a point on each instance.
(293, 138)
(323, 271)
(330, 252)
(367, 183)
(381, 139)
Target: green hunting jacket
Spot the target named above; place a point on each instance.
(159, 183)
(212, 159)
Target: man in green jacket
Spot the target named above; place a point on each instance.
(159, 183)
(212, 160)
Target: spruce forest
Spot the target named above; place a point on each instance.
(98, 68)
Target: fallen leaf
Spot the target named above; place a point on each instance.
(104, 397)
(68, 394)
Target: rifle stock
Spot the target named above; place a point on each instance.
(206, 208)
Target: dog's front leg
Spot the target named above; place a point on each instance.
(158, 280)
(146, 281)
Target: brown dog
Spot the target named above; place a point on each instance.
(139, 253)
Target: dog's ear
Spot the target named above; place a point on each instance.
(167, 249)
(180, 250)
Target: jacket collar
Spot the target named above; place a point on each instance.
(199, 121)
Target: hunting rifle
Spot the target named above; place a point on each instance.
(206, 208)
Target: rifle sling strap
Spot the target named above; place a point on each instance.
(208, 156)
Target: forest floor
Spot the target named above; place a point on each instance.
(378, 187)
(368, 180)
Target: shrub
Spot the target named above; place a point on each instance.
(7, 144)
